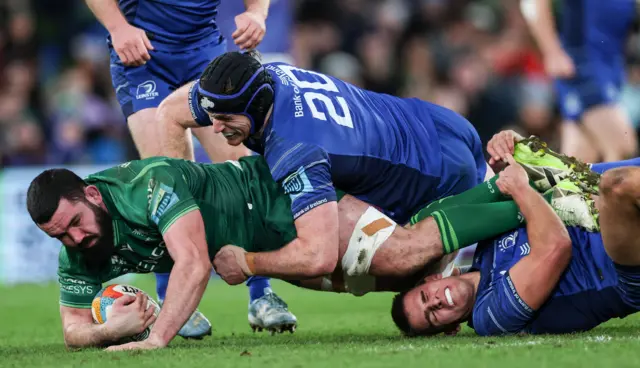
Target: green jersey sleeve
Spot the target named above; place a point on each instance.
(78, 286)
(169, 197)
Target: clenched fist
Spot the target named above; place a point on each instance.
(512, 179)
(231, 265)
(501, 146)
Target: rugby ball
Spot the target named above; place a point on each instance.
(102, 302)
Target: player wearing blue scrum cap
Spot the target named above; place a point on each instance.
(319, 133)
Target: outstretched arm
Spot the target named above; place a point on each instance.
(187, 245)
(304, 173)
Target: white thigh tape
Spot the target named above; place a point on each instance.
(371, 231)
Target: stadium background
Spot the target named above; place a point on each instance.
(57, 108)
(57, 104)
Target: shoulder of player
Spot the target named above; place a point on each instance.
(132, 170)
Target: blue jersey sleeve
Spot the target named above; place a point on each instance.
(304, 172)
(499, 310)
(197, 112)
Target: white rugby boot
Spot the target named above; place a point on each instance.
(271, 313)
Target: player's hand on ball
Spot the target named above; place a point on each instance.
(501, 146)
(231, 265)
(250, 30)
(131, 44)
(130, 316)
(512, 179)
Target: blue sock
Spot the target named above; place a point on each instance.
(162, 281)
(258, 286)
(601, 168)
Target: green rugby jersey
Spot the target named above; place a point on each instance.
(239, 202)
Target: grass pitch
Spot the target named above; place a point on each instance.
(334, 331)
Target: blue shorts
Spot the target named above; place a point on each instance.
(629, 284)
(463, 161)
(593, 85)
(142, 87)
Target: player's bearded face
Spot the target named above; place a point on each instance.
(98, 254)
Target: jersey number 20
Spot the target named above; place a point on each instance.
(320, 82)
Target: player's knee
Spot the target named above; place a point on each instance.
(620, 182)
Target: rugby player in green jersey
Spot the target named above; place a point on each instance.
(169, 215)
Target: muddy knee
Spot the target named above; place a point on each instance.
(621, 182)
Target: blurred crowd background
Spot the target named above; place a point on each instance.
(57, 105)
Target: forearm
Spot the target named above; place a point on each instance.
(108, 13)
(542, 25)
(257, 6)
(187, 284)
(82, 335)
(297, 260)
(544, 227)
(175, 139)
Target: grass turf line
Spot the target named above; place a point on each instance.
(334, 331)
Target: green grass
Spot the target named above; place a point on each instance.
(334, 331)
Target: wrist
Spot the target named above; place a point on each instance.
(116, 25)
(157, 340)
(109, 334)
(258, 10)
(249, 258)
(522, 192)
(552, 50)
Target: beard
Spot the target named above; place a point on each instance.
(99, 255)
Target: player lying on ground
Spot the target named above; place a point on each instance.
(317, 132)
(163, 214)
(542, 278)
(479, 208)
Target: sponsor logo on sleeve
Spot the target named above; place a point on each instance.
(297, 184)
(508, 241)
(75, 286)
(162, 200)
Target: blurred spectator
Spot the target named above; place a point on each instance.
(474, 57)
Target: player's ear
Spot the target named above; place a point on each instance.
(93, 195)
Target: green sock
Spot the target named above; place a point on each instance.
(486, 192)
(463, 225)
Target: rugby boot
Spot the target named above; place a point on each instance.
(573, 206)
(271, 313)
(546, 168)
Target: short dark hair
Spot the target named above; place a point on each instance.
(46, 190)
(399, 315)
